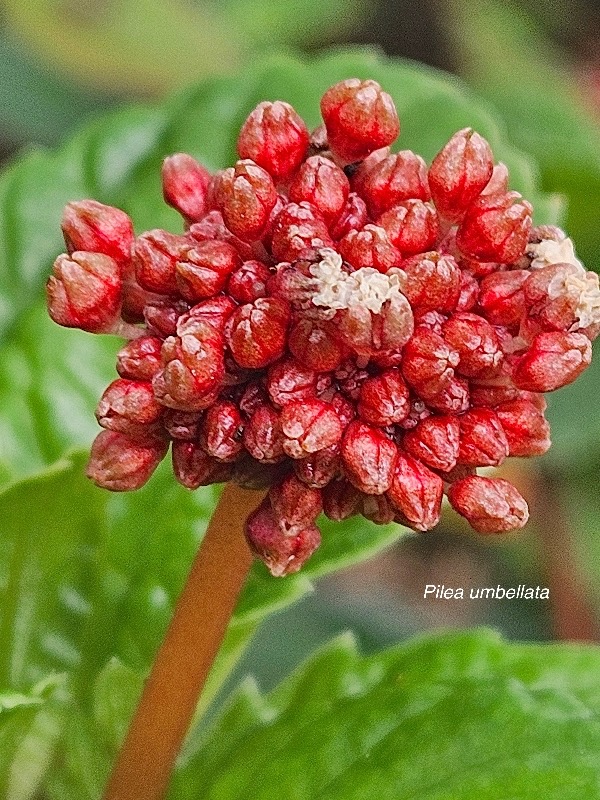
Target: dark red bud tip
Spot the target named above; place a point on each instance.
(283, 554)
(490, 505)
(121, 464)
(359, 117)
(85, 292)
(96, 228)
(185, 185)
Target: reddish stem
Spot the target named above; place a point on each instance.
(184, 660)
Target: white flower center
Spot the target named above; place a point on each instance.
(336, 289)
(582, 287)
(550, 252)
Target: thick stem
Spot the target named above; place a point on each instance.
(182, 664)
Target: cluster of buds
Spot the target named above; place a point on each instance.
(344, 325)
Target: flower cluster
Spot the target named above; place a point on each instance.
(345, 325)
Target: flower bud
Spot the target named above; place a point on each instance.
(283, 555)
(369, 247)
(245, 195)
(527, 432)
(193, 467)
(554, 359)
(129, 406)
(377, 508)
(323, 184)
(275, 137)
(476, 343)
(359, 118)
(490, 505)
(162, 315)
(221, 431)
(95, 228)
(502, 298)
(85, 292)
(460, 172)
(483, 442)
(353, 217)
(287, 380)
(412, 226)
(454, 398)
(496, 228)
(139, 360)
(184, 425)
(155, 255)
(369, 458)
(318, 469)
(376, 333)
(433, 282)
(298, 227)
(384, 399)
(122, 464)
(204, 269)
(256, 332)
(398, 177)
(309, 425)
(295, 505)
(435, 442)
(416, 492)
(185, 186)
(315, 346)
(263, 437)
(341, 500)
(428, 363)
(249, 282)
(212, 228)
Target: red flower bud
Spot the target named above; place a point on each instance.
(283, 555)
(498, 183)
(359, 118)
(193, 467)
(323, 184)
(214, 312)
(428, 364)
(212, 228)
(155, 255)
(308, 426)
(298, 227)
(369, 457)
(460, 172)
(246, 196)
(263, 437)
(433, 282)
(96, 228)
(315, 346)
(469, 292)
(185, 185)
(369, 247)
(249, 282)
(183, 425)
(85, 292)
(483, 442)
(204, 269)
(400, 176)
(416, 492)
(341, 500)
(295, 505)
(129, 407)
(162, 315)
(288, 380)
(275, 137)
(384, 399)
(318, 469)
(353, 217)
(122, 464)
(453, 399)
(527, 432)
(502, 298)
(476, 343)
(377, 508)
(496, 228)
(256, 332)
(139, 360)
(412, 226)
(435, 442)
(221, 431)
(371, 334)
(490, 505)
(553, 360)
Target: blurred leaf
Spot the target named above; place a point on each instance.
(520, 71)
(446, 717)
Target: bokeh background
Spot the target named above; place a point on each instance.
(537, 62)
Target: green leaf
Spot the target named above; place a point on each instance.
(445, 717)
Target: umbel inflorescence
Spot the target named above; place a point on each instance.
(343, 324)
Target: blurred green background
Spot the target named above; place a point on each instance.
(64, 61)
